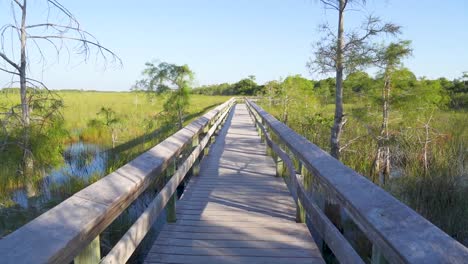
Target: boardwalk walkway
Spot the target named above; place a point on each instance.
(235, 211)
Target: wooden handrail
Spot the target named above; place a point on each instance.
(124, 249)
(61, 233)
(341, 248)
(399, 233)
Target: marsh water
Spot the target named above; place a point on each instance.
(82, 161)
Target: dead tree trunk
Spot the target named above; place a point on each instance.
(338, 120)
(28, 164)
(427, 140)
(382, 157)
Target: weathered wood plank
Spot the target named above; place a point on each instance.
(246, 252)
(125, 247)
(61, 233)
(341, 248)
(402, 235)
(288, 229)
(234, 243)
(236, 210)
(194, 259)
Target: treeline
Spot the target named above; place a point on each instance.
(442, 92)
(15, 90)
(246, 86)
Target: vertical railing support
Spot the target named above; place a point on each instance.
(269, 151)
(305, 176)
(196, 163)
(279, 167)
(260, 131)
(300, 212)
(171, 216)
(377, 257)
(91, 254)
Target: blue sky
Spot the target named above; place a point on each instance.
(226, 40)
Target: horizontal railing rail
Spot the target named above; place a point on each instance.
(70, 231)
(398, 234)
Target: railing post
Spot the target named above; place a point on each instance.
(91, 254)
(377, 257)
(260, 131)
(171, 216)
(206, 150)
(305, 175)
(196, 163)
(279, 167)
(300, 212)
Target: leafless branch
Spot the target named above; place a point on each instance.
(350, 142)
(3, 56)
(18, 3)
(330, 4)
(84, 45)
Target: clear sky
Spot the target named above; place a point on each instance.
(226, 40)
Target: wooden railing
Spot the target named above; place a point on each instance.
(397, 233)
(70, 231)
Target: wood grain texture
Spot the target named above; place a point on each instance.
(400, 234)
(236, 210)
(125, 247)
(58, 235)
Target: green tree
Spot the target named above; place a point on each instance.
(335, 53)
(296, 94)
(457, 90)
(272, 89)
(389, 59)
(358, 84)
(325, 89)
(108, 118)
(175, 80)
(245, 87)
(44, 35)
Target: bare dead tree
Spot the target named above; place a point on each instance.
(429, 135)
(25, 39)
(345, 52)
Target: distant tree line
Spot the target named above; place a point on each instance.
(359, 84)
(246, 86)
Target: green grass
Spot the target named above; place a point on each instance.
(140, 127)
(438, 194)
(138, 114)
(139, 118)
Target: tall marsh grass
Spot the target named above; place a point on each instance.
(439, 193)
(141, 128)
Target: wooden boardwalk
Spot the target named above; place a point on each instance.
(236, 210)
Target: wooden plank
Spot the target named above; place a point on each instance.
(91, 254)
(288, 229)
(234, 223)
(232, 251)
(60, 234)
(236, 210)
(341, 248)
(125, 247)
(194, 259)
(402, 235)
(215, 243)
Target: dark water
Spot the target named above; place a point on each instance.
(81, 162)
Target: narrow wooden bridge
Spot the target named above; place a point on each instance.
(236, 211)
(258, 193)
